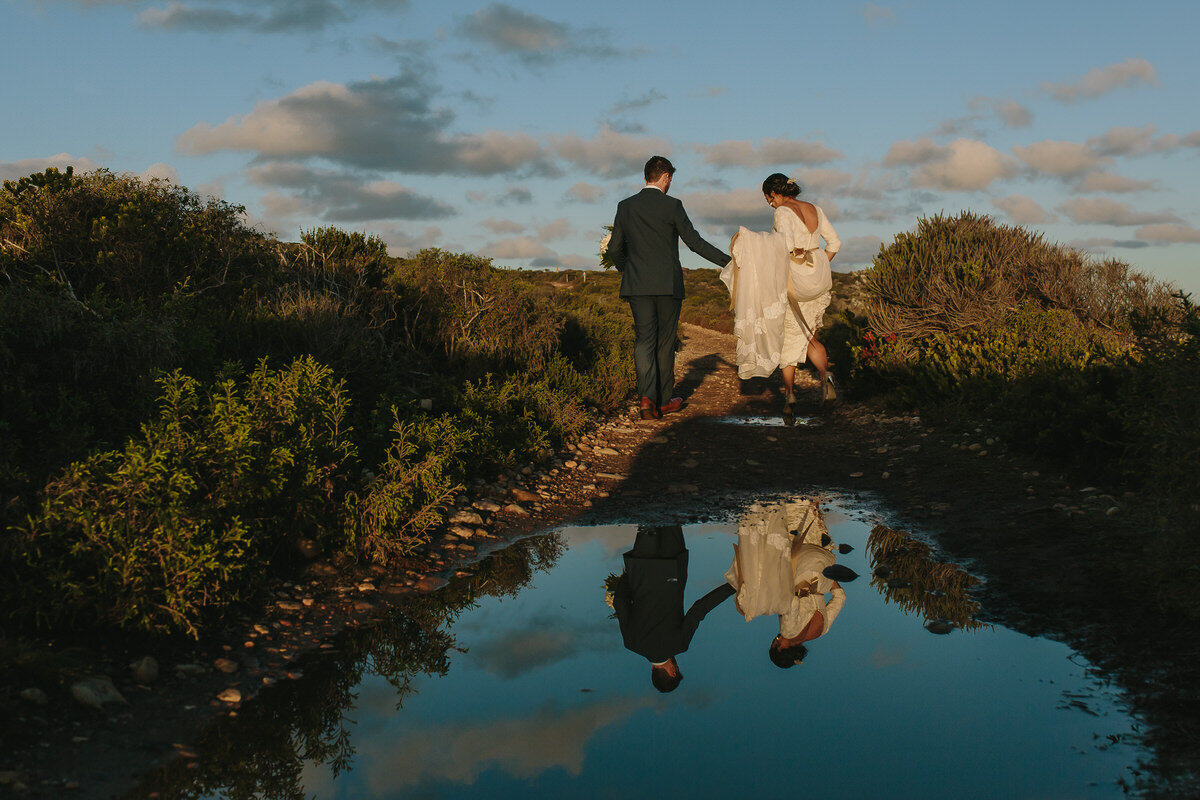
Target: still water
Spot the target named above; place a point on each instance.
(517, 683)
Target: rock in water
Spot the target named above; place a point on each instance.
(939, 626)
(35, 696)
(845, 548)
(522, 496)
(840, 573)
(145, 670)
(97, 692)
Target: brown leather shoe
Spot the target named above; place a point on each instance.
(672, 405)
(649, 410)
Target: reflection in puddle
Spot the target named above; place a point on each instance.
(518, 681)
(909, 575)
(784, 421)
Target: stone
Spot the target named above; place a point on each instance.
(490, 506)
(226, 665)
(609, 476)
(571, 464)
(750, 462)
(975, 447)
(523, 496)
(462, 531)
(189, 670)
(466, 517)
(658, 440)
(886, 475)
(261, 629)
(431, 583)
(1112, 511)
(366, 586)
(605, 451)
(689, 463)
(513, 508)
(97, 692)
(230, 695)
(856, 474)
(145, 670)
(288, 605)
(427, 404)
(35, 696)
(939, 626)
(363, 607)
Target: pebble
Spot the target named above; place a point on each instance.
(230, 696)
(189, 670)
(145, 670)
(226, 665)
(975, 447)
(939, 626)
(886, 475)
(35, 696)
(658, 440)
(462, 531)
(466, 517)
(522, 496)
(366, 586)
(605, 451)
(772, 438)
(856, 474)
(97, 692)
(490, 506)
(1112, 512)
(751, 462)
(513, 508)
(571, 464)
(288, 605)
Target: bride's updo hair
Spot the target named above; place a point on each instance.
(778, 183)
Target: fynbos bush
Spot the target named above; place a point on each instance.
(187, 514)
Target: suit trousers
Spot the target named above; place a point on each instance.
(655, 326)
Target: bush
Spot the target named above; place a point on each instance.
(189, 513)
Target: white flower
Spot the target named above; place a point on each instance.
(604, 242)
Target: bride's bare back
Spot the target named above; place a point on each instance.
(806, 211)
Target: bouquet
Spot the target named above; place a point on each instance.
(610, 589)
(605, 260)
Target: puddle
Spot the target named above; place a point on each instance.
(517, 682)
(766, 421)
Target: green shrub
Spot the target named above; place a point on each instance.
(189, 513)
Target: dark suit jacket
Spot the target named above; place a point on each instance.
(645, 244)
(649, 606)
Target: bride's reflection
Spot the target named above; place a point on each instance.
(784, 564)
(648, 601)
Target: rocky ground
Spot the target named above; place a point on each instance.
(1045, 544)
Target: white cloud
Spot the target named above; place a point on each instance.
(1023, 210)
(1101, 80)
(1168, 233)
(766, 153)
(918, 151)
(877, 15)
(556, 229)
(1064, 159)
(857, 251)
(382, 124)
(1103, 211)
(459, 752)
(160, 171)
(13, 170)
(609, 153)
(1110, 182)
(584, 193)
(964, 165)
(517, 247)
(502, 226)
(533, 39)
(345, 197)
(1010, 112)
(729, 210)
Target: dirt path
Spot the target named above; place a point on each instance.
(1046, 546)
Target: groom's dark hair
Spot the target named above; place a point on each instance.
(656, 167)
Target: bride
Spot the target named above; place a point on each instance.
(780, 285)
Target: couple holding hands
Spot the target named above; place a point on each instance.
(783, 564)
(779, 282)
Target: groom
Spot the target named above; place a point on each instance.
(645, 247)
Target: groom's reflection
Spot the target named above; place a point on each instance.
(648, 600)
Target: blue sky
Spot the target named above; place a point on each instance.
(512, 129)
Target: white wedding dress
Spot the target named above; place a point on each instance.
(770, 334)
(770, 564)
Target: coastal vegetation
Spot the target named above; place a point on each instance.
(188, 405)
(1084, 361)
